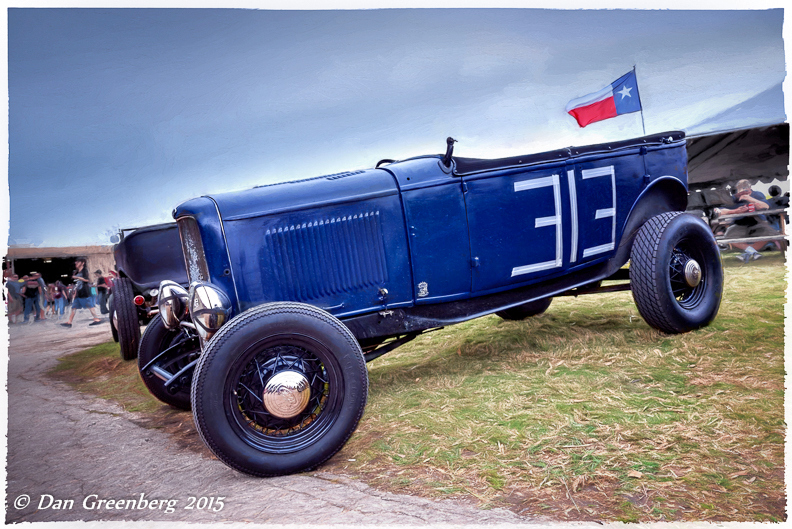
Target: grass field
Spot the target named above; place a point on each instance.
(582, 413)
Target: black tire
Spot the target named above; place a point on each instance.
(248, 352)
(127, 325)
(113, 328)
(533, 308)
(662, 249)
(157, 338)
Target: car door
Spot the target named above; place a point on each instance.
(603, 189)
(518, 220)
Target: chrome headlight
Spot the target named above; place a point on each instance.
(172, 303)
(210, 308)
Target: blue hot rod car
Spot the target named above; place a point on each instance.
(294, 286)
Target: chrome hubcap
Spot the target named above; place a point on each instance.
(692, 273)
(286, 394)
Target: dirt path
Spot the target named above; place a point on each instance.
(67, 451)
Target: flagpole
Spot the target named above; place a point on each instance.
(639, 100)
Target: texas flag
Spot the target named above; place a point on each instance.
(619, 97)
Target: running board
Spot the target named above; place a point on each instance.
(581, 291)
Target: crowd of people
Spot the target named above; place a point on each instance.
(33, 299)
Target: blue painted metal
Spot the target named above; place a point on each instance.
(336, 242)
(503, 232)
(416, 232)
(434, 209)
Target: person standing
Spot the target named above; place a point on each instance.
(30, 291)
(82, 297)
(15, 302)
(112, 277)
(50, 310)
(59, 298)
(103, 292)
(42, 295)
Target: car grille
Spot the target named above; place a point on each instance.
(193, 250)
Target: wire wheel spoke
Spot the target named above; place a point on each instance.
(686, 295)
(253, 380)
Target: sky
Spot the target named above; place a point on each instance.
(118, 115)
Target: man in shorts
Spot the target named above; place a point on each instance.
(82, 299)
(747, 201)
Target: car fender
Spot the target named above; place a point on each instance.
(662, 195)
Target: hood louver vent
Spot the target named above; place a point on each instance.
(327, 257)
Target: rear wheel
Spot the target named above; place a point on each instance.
(126, 318)
(534, 308)
(279, 389)
(675, 273)
(182, 349)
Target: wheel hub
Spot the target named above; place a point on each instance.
(692, 273)
(287, 394)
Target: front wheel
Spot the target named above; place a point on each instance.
(279, 389)
(676, 273)
(180, 348)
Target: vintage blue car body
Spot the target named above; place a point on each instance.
(295, 286)
(428, 244)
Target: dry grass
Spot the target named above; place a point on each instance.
(586, 413)
(583, 413)
(100, 371)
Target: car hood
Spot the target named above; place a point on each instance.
(283, 197)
